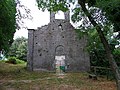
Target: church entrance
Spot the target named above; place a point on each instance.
(60, 60)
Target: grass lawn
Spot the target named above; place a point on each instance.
(16, 77)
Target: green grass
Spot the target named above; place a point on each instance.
(16, 77)
(18, 71)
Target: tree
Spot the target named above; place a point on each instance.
(112, 9)
(18, 49)
(112, 62)
(11, 18)
(55, 5)
(7, 23)
(97, 52)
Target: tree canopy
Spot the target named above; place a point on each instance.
(11, 18)
(112, 11)
(7, 23)
(18, 49)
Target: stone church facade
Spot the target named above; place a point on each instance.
(58, 38)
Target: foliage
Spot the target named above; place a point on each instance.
(52, 5)
(7, 23)
(96, 49)
(11, 18)
(14, 60)
(116, 53)
(112, 11)
(18, 49)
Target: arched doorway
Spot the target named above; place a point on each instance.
(60, 59)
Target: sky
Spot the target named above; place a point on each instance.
(39, 18)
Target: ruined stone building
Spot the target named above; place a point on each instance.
(55, 39)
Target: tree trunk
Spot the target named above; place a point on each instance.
(112, 62)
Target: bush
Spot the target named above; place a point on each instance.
(14, 60)
(20, 61)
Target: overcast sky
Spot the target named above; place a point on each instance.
(39, 18)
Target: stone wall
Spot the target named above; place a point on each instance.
(57, 38)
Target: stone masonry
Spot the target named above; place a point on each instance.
(57, 38)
